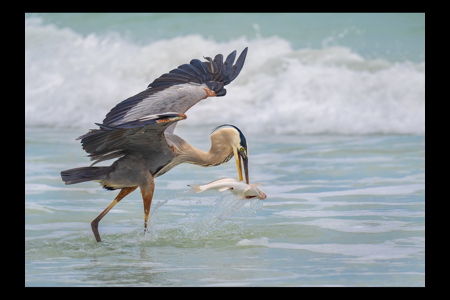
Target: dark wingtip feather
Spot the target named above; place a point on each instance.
(238, 66)
(230, 59)
(196, 71)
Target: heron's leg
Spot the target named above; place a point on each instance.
(147, 188)
(120, 196)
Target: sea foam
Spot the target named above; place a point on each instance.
(73, 80)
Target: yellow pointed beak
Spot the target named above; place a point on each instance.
(237, 156)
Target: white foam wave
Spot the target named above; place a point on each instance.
(73, 80)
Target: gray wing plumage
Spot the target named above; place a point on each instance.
(179, 89)
(144, 135)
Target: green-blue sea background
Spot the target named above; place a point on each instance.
(333, 109)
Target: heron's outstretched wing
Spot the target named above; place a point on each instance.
(179, 89)
(144, 135)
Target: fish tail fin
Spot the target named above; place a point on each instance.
(196, 188)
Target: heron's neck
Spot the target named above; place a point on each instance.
(217, 154)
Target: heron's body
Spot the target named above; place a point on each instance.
(124, 172)
(138, 132)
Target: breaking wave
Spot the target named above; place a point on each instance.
(73, 80)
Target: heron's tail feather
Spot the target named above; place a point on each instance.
(83, 174)
(196, 188)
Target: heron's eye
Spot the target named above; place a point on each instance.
(242, 149)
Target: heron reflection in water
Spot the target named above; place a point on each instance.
(139, 132)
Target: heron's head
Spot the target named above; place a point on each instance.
(234, 137)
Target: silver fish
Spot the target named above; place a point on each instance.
(239, 188)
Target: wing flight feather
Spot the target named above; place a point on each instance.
(179, 89)
(145, 135)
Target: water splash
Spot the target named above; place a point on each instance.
(203, 215)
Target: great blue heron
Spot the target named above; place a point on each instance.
(139, 131)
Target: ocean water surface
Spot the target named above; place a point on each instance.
(333, 109)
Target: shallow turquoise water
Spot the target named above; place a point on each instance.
(341, 210)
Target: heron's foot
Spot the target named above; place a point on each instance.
(94, 226)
